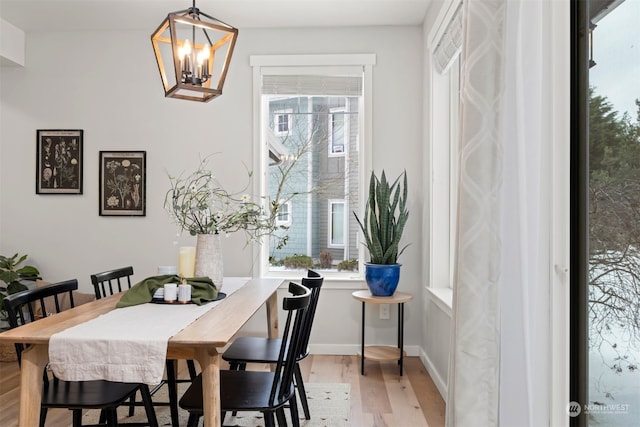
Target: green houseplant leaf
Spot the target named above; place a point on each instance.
(12, 277)
(385, 216)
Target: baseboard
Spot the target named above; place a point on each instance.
(441, 384)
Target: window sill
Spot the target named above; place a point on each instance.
(332, 280)
(442, 297)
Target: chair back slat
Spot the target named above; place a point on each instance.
(21, 306)
(291, 339)
(111, 281)
(314, 283)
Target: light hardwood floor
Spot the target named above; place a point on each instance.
(380, 398)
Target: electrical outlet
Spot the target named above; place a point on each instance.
(384, 311)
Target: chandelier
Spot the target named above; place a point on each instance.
(193, 51)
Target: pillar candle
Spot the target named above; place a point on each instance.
(187, 261)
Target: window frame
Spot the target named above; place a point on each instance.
(345, 131)
(443, 162)
(276, 114)
(289, 213)
(328, 63)
(330, 204)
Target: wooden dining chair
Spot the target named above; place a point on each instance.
(25, 307)
(268, 392)
(265, 350)
(117, 280)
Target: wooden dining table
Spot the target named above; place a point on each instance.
(199, 341)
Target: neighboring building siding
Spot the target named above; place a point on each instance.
(297, 232)
(331, 176)
(353, 230)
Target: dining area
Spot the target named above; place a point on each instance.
(113, 340)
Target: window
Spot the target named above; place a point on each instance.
(454, 149)
(445, 46)
(336, 223)
(282, 122)
(338, 132)
(317, 167)
(611, 319)
(283, 215)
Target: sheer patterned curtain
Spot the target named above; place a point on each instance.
(499, 370)
(473, 386)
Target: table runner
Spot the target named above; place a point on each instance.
(126, 344)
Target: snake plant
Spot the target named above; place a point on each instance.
(384, 218)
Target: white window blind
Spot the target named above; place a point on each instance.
(312, 85)
(450, 43)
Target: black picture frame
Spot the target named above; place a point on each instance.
(123, 183)
(59, 161)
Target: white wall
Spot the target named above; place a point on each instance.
(107, 83)
(12, 44)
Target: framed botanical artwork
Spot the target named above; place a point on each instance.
(123, 183)
(59, 161)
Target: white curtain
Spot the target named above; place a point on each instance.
(525, 285)
(499, 371)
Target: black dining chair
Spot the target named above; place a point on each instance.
(22, 308)
(112, 281)
(269, 392)
(265, 350)
(117, 280)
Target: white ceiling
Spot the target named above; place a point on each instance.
(83, 15)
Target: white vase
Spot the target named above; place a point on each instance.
(209, 261)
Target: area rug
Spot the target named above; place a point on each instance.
(329, 404)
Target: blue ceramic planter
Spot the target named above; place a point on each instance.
(382, 279)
